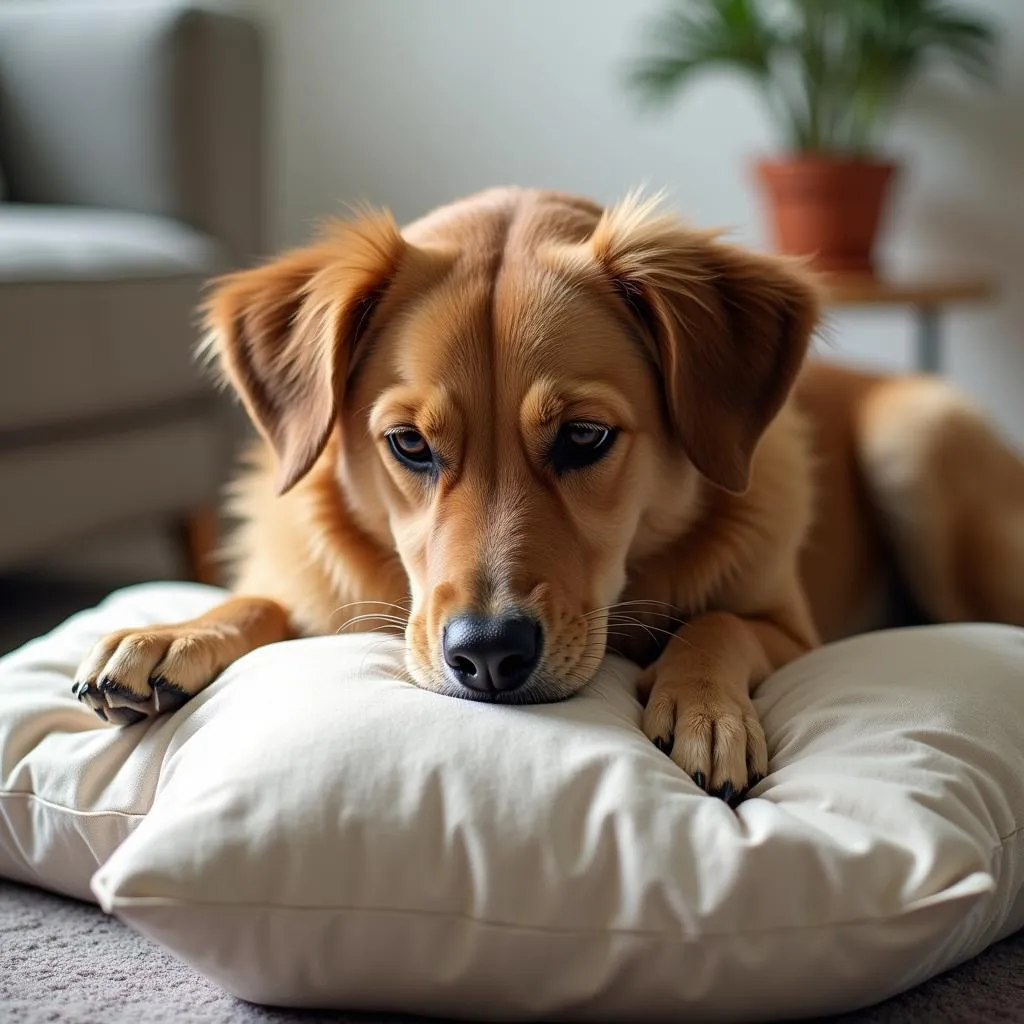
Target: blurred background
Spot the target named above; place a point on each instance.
(146, 145)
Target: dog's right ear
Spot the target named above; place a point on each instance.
(285, 333)
(727, 328)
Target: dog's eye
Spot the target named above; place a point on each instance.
(411, 449)
(581, 444)
(586, 435)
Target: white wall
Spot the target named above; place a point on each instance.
(409, 103)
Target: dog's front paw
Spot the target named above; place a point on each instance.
(710, 729)
(133, 674)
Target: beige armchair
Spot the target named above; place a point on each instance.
(131, 149)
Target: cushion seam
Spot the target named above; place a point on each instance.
(78, 812)
(142, 903)
(1003, 840)
(74, 811)
(116, 904)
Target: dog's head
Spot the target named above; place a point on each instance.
(529, 393)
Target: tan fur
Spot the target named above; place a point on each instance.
(736, 521)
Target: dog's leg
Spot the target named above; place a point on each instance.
(951, 498)
(134, 673)
(699, 709)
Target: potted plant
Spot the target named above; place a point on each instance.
(831, 73)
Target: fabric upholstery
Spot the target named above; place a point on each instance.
(98, 312)
(131, 140)
(82, 243)
(141, 467)
(157, 108)
(73, 350)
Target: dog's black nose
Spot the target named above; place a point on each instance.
(492, 654)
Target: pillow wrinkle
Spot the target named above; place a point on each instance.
(366, 844)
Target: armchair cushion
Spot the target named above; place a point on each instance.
(69, 243)
(157, 108)
(97, 312)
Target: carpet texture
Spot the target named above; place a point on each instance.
(64, 962)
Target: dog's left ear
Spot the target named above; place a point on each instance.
(285, 333)
(728, 328)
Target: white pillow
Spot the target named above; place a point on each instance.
(320, 833)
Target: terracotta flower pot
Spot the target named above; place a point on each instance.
(828, 209)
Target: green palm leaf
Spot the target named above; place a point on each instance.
(830, 70)
(692, 36)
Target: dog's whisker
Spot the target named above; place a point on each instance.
(649, 630)
(381, 615)
(635, 612)
(393, 620)
(584, 669)
(398, 628)
(638, 601)
(383, 604)
(630, 620)
(639, 607)
(594, 650)
(652, 631)
(362, 604)
(400, 671)
(383, 632)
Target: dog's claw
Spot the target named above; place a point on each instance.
(702, 782)
(136, 674)
(726, 793)
(111, 686)
(167, 697)
(663, 744)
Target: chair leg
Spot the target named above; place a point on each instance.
(199, 536)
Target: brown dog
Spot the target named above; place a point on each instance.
(525, 430)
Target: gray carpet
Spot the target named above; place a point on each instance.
(64, 962)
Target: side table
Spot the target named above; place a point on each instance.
(926, 298)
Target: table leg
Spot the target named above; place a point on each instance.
(929, 343)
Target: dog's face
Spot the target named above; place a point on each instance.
(511, 441)
(530, 395)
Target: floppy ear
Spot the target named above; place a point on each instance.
(728, 328)
(284, 333)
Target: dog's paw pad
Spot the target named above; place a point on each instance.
(717, 738)
(135, 674)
